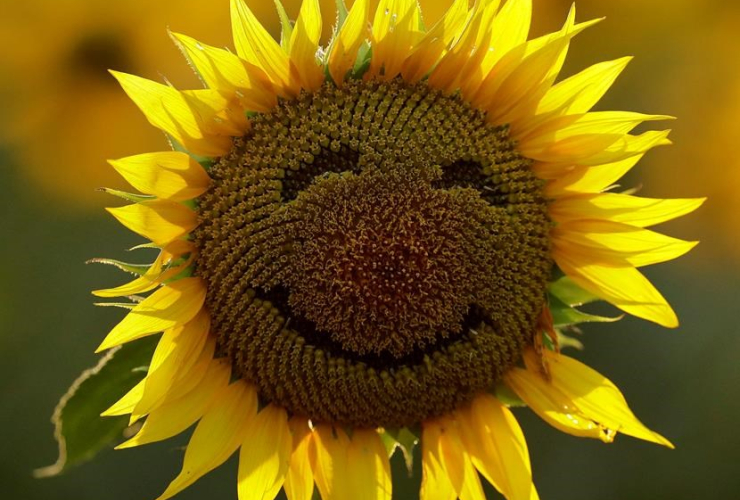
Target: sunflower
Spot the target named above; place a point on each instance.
(372, 244)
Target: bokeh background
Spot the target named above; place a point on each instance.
(62, 116)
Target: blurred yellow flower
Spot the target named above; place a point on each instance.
(56, 92)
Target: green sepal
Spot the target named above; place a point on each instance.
(342, 14)
(362, 64)
(134, 198)
(508, 397)
(285, 24)
(79, 429)
(404, 439)
(568, 292)
(122, 305)
(565, 315)
(136, 269)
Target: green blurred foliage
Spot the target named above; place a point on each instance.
(682, 383)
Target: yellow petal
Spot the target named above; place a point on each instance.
(553, 406)
(579, 93)
(175, 416)
(167, 109)
(304, 45)
(591, 395)
(619, 284)
(590, 179)
(469, 49)
(544, 56)
(347, 43)
(299, 478)
(396, 29)
(509, 29)
(161, 221)
(220, 111)
(177, 348)
(169, 175)
(193, 371)
(597, 397)
(496, 444)
(220, 69)
(435, 485)
(168, 307)
(456, 460)
(264, 456)
(256, 46)
(331, 470)
(614, 241)
(218, 434)
(356, 468)
(427, 52)
(369, 467)
(641, 212)
(569, 139)
(520, 92)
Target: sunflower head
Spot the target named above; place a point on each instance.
(376, 237)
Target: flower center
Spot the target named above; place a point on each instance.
(375, 255)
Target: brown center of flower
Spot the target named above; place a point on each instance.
(375, 255)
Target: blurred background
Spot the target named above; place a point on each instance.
(63, 116)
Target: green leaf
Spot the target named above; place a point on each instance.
(79, 429)
(564, 315)
(570, 293)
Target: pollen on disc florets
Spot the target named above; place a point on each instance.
(375, 254)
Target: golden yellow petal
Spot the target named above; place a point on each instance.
(220, 69)
(304, 45)
(590, 179)
(299, 478)
(177, 348)
(509, 29)
(619, 284)
(160, 221)
(427, 52)
(346, 44)
(456, 461)
(614, 241)
(330, 467)
(218, 435)
(466, 54)
(168, 307)
(579, 93)
(168, 175)
(582, 392)
(396, 29)
(255, 45)
(167, 109)
(641, 212)
(368, 466)
(175, 416)
(496, 445)
(264, 455)
(435, 485)
(553, 406)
